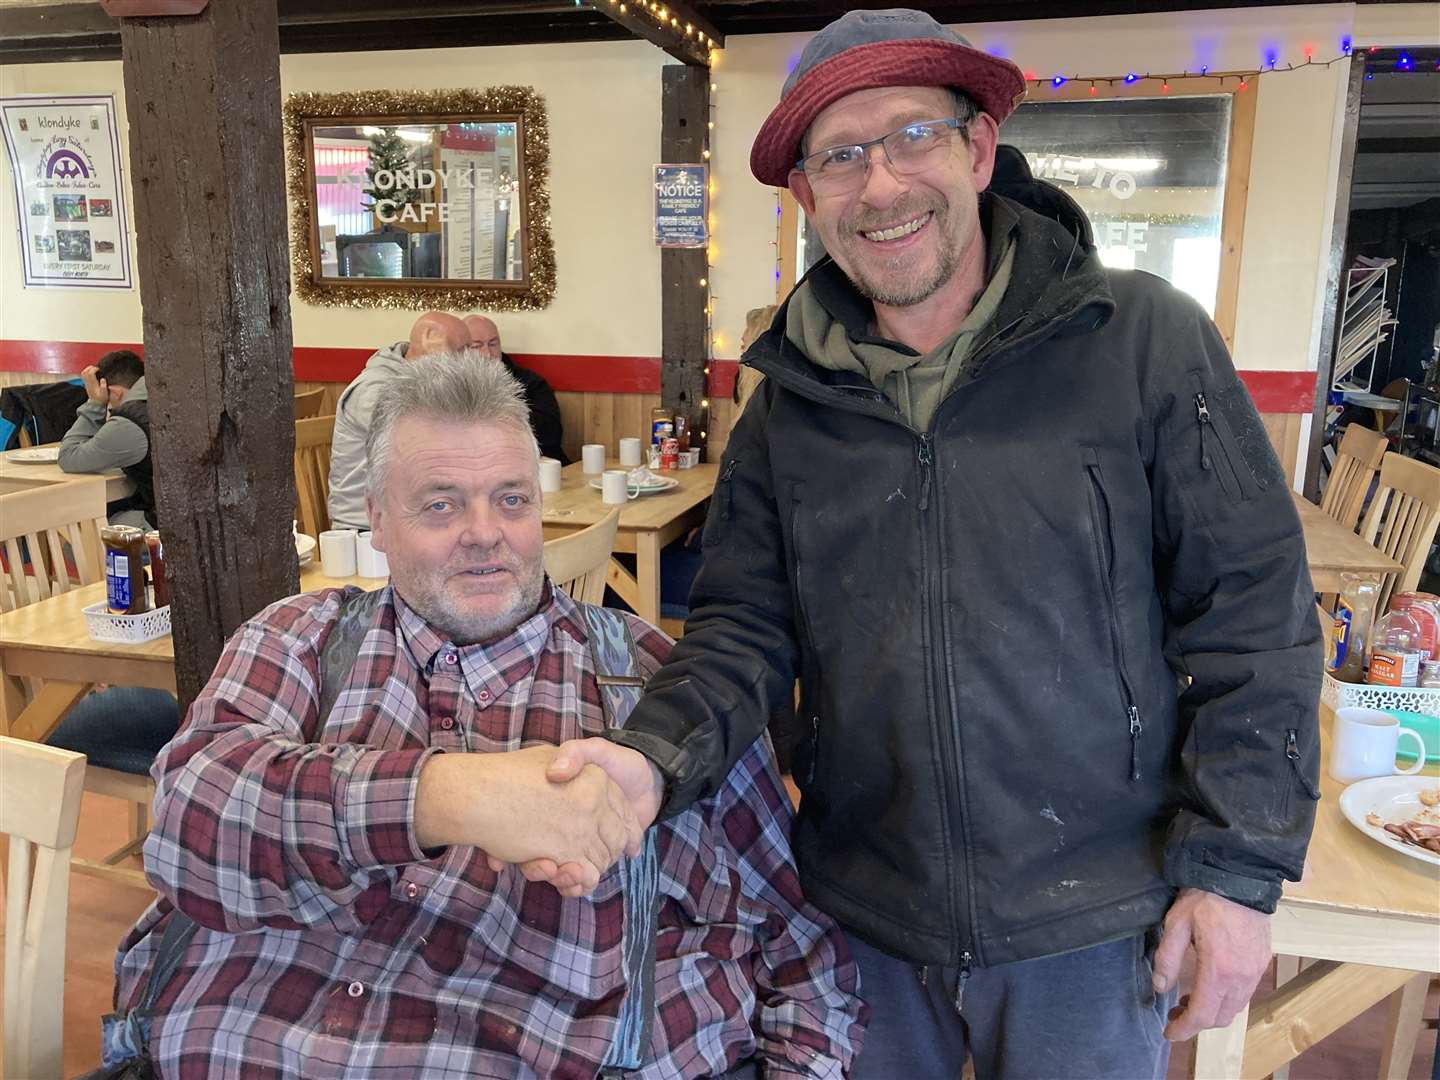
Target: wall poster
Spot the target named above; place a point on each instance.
(681, 206)
(69, 197)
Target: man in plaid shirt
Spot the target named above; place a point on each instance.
(349, 872)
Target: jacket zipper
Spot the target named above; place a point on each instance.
(1209, 431)
(725, 476)
(803, 623)
(1292, 751)
(951, 766)
(961, 978)
(1122, 676)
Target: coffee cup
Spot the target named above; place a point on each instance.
(615, 487)
(337, 552)
(630, 453)
(369, 563)
(592, 458)
(1364, 744)
(549, 474)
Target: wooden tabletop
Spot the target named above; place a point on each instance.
(58, 624)
(1333, 549)
(577, 504)
(16, 475)
(1346, 870)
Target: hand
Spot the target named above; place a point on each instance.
(636, 776)
(97, 390)
(506, 805)
(1232, 951)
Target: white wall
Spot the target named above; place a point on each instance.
(604, 110)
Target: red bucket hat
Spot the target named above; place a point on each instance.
(865, 49)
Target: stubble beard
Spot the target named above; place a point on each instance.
(462, 627)
(897, 288)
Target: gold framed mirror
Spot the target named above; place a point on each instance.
(420, 199)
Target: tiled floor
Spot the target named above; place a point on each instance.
(101, 912)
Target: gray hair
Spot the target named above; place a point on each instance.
(456, 387)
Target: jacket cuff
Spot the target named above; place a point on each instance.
(1184, 871)
(677, 766)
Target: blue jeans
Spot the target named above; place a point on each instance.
(1080, 1015)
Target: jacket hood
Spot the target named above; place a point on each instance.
(387, 359)
(138, 392)
(1058, 286)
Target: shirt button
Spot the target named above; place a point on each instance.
(451, 658)
(355, 989)
(484, 695)
(412, 890)
(447, 722)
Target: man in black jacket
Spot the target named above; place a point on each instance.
(1013, 521)
(544, 409)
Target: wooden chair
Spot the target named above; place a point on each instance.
(48, 518)
(577, 562)
(1355, 465)
(38, 814)
(312, 472)
(309, 403)
(1402, 519)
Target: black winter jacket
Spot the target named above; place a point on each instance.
(1058, 654)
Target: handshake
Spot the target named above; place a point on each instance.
(563, 814)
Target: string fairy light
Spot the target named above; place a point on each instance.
(1270, 65)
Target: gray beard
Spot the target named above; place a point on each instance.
(909, 293)
(465, 630)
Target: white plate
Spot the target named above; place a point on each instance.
(36, 455)
(665, 483)
(1390, 798)
(304, 547)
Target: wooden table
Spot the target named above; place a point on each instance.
(1371, 917)
(18, 475)
(647, 524)
(48, 640)
(1333, 550)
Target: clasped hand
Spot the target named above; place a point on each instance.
(563, 814)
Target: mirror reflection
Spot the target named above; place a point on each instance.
(396, 199)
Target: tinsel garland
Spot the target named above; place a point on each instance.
(380, 107)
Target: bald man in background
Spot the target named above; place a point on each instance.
(433, 332)
(544, 409)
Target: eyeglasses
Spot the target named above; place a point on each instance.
(907, 149)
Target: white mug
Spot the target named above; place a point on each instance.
(369, 562)
(592, 455)
(1364, 743)
(629, 452)
(615, 487)
(549, 474)
(337, 552)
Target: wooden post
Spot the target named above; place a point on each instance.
(684, 137)
(208, 170)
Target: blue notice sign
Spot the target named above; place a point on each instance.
(682, 204)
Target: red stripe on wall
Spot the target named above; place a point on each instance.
(1273, 391)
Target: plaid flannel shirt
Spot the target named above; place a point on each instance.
(331, 944)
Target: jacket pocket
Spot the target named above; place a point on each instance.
(722, 504)
(1292, 754)
(1104, 548)
(1220, 453)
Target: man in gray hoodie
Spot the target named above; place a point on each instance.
(112, 431)
(433, 332)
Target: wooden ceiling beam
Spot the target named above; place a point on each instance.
(674, 26)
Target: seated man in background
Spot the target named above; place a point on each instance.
(112, 431)
(433, 332)
(544, 409)
(342, 847)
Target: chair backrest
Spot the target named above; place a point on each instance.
(1402, 519)
(48, 517)
(1355, 464)
(578, 562)
(39, 813)
(312, 472)
(308, 403)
